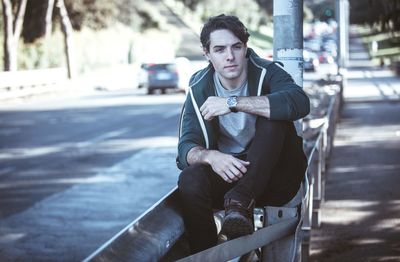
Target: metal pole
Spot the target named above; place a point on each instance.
(288, 39)
(288, 49)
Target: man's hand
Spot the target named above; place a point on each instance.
(228, 167)
(214, 106)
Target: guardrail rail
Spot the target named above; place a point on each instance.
(159, 234)
(25, 83)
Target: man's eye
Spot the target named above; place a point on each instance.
(219, 50)
(237, 47)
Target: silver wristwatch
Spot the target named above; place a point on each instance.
(232, 102)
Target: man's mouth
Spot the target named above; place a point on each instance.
(230, 67)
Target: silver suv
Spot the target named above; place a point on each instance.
(160, 76)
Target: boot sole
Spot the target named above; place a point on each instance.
(236, 226)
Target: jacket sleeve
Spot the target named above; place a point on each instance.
(287, 100)
(190, 134)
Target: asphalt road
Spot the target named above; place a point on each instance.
(75, 170)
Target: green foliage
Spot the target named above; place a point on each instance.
(95, 14)
(249, 12)
(102, 14)
(42, 53)
(376, 13)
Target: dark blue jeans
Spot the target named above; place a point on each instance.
(277, 167)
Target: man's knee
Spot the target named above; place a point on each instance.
(274, 130)
(192, 179)
(264, 123)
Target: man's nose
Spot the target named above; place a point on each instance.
(230, 55)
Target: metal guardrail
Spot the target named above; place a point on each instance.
(317, 162)
(147, 238)
(160, 229)
(23, 83)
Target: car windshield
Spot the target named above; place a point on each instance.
(169, 67)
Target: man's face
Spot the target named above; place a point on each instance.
(228, 56)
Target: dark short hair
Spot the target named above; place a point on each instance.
(228, 22)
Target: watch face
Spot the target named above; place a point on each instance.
(231, 101)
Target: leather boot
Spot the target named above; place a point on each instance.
(238, 219)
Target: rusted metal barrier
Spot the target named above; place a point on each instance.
(24, 83)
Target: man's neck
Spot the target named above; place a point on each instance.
(232, 84)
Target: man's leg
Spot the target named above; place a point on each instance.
(263, 155)
(200, 191)
(271, 173)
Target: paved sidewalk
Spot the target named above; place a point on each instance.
(361, 212)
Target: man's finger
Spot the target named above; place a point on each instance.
(246, 163)
(224, 176)
(236, 172)
(231, 174)
(227, 178)
(241, 166)
(203, 106)
(204, 111)
(207, 116)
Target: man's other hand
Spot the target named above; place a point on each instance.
(214, 106)
(228, 167)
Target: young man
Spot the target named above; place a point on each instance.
(237, 145)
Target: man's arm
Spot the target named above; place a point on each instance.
(226, 166)
(216, 106)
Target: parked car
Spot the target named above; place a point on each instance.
(143, 77)
(310, 62)
(158, 76)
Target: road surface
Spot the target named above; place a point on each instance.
(74, 171)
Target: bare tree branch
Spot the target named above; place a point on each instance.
(19, 18)
(49, 13)
(67, 30)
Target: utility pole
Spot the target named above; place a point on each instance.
(288, 49)
(288, 40)
(288, 37)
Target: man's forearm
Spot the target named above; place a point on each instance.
(197, 154)
(257, 105)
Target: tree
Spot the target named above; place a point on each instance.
(12, 31)
(66, 28)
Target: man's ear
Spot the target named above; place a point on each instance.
(206, 54)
